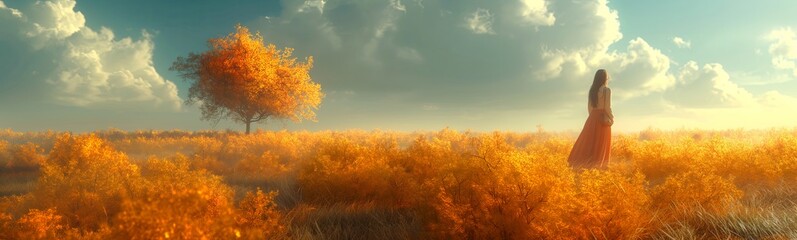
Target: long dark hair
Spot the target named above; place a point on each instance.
(600, 79)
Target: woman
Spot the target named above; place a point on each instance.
(593, 146)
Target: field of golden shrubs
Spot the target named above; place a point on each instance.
(680, 184)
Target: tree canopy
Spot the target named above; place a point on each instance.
(243, 79)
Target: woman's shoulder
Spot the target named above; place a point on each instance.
(605, 88)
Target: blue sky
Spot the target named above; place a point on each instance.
(411, 64)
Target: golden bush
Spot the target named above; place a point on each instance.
(177, 202)
(682, 193)
(265, 166)
(38, 224)
(85, 179)
(348, 171)
(259, 217)
(611, 205)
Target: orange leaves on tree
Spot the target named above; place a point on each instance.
(243, 79)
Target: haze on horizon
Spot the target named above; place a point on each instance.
(413, 64)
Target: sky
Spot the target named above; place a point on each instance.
(411, 65)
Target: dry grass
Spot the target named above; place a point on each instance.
(353, 221)
(766, 213)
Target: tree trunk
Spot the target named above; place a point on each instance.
(247, 127)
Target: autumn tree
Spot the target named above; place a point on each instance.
(243, 79)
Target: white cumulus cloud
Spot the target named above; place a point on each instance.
(82, 66)
(708, 86)
(783, 49)
(638, 71)
(54, 19)
(536, 12)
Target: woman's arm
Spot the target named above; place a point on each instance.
(589, 107)
(608, 98)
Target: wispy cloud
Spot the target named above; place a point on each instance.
(313, 4)
(396, 4)
(480, 22)
(681, 43)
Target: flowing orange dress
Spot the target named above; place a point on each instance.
(593, 146)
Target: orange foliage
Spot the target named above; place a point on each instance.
(683, 193)
(611, 205)
(28, 155)
(205, 210)
(243, 79)
(259, 216)
(488, 188)
(260, 167)
(347, 170)
(40, 225)
(450, 184)
(91, 174)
